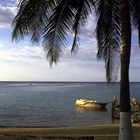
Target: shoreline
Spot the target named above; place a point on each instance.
(95, 132)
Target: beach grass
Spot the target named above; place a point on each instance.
(93, 132)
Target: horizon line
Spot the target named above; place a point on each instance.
(35, 81)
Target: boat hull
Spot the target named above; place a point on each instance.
(90, 104)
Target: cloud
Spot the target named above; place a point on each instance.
(8, 11)
(88, 31)
(7, 15)
(1, 45)
(135, 53)
(16, 61)
(21, 54)
(85, 57)
(87, 50)
(89, 27)
(85, 53)
(9, 3)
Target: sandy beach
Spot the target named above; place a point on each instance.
(95, 132)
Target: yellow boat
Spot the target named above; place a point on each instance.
(90, 104)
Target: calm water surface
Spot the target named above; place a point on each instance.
(53, 104)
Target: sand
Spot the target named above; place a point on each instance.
(93, 132)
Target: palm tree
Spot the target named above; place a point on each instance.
(52, 20)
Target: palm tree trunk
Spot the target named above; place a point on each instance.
(125, 130)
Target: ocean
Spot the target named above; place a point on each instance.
(52, 104)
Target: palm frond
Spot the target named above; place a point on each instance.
(31, 18)
(84, 9)
(56, 32)
(135, 10)
(108, 36)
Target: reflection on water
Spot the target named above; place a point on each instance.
(85, 109)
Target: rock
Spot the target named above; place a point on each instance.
(135, 110)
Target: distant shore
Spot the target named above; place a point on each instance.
(92, 132)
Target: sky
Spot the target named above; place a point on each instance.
(22, 61)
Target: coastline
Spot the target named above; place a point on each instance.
(92, 132)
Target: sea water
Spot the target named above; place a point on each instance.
(52, 104)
